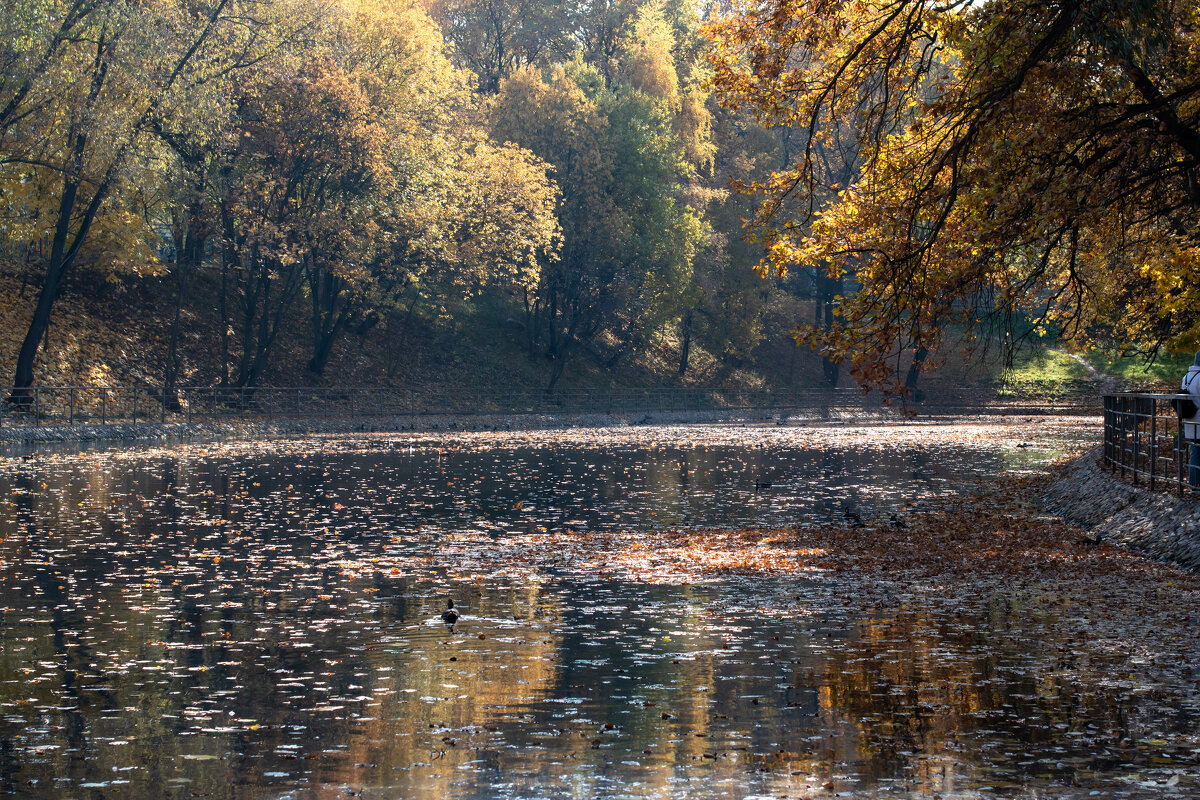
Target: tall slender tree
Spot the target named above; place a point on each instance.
(105, 74)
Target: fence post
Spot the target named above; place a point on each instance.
(1115, 434)
(1105, 459)
(162, 401)
(135, 404)
(1114, 421)
(1180, 449)
(1153, 438)
(71, 411)
(1112, 436)
(1119, 417)
(104, 406)
(1137, 440)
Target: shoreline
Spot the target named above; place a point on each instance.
(17, 436)
(148, 432)
(1163, 526)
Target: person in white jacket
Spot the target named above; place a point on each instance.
(1191, 425)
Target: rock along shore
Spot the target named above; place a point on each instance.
(1161, 525)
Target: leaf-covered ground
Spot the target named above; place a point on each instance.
(262, 620)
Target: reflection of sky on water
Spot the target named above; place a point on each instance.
(207, 624)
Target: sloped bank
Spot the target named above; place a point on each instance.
(1161, 525)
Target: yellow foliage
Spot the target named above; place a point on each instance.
(1009, 160)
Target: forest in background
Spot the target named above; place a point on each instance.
(534, 193)
(297, 191)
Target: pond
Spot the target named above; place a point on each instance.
(262, 620)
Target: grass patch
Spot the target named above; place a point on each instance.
(1133, 371)
(1042, 372)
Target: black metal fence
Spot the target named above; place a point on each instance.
(47, 405)
(1145, 440)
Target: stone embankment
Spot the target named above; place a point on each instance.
(1161, 525)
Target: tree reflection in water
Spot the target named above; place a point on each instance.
(263, 620)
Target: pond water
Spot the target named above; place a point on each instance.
(261, 620)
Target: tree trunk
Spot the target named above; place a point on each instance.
(323, 347)
(559, 356)
(271, 320)
(556, 367)
(228, 256)
(830, 368)
(685, 348)
(532, 323)
(328, 320)
(392, 359)
(62, 256)
(250, 297)
(825, 289)
(170, 396)
(321, 292)
(259, 361)
(189, 239)
(914, 373)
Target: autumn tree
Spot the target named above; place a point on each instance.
(361, 167)
(36, 37)
(309, 153)
(462, 213)
(493, 38)
(629, 238)
(89, 81)
(728, 296)
(556, 119)
(403, 88)
(625, 143)
(1015, 159)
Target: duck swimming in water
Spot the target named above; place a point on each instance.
(450, 615)
(853, 519)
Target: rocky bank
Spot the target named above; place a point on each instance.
(1161, 525)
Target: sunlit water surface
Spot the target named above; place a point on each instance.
(206, 621)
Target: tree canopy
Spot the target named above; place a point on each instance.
(1006, 158)
(301, 176)
(325, 150)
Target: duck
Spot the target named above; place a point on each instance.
(896, 522)
(450, 615)
(852, 517)
(761, 485)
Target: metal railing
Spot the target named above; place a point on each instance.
(1145, 441)
(75, 405)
